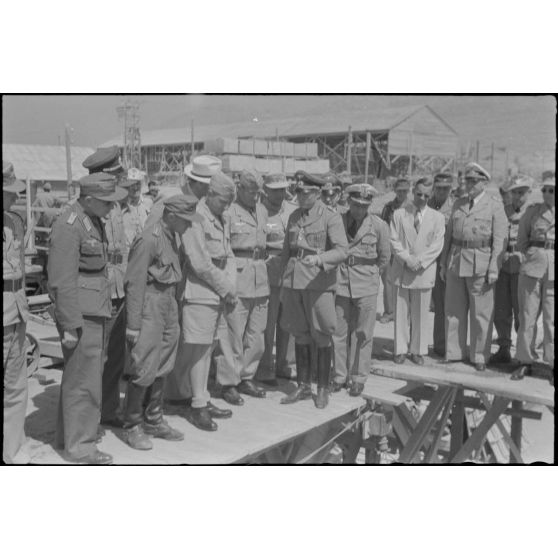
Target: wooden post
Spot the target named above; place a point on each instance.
(192, 142)
(349, 149)
(411, 155)
(516, 428)
(68, 161)
(491, 158)
(367, 160)
(457, 423)
(477, 151)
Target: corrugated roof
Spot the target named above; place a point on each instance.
(331, 123)
(44, 162)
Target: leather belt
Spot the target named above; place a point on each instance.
(274, 251)
(255, 254)
(546, 244)
(115, 258)
(357, 260)
(156, 287)
(511, 247)
(472, 243)
(302, 252)
(221, 263)
(12, 285)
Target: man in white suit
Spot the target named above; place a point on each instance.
(417, 238)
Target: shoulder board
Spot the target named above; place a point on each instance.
(87, 223)
(71, 218)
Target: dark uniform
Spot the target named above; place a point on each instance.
(79, 288)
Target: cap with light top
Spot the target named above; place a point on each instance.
(361, 194)
(9, 181)
(276, 181)
(520, 182)
(202, 168)
(474, 170)
(250, 178)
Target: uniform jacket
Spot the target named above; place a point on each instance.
(14, 304)
(486, 221)
(537, 224)
(134, 218)
(153, 260)
(248, 232)
(77, 268)
(444, 209)
(425, 245)
(511, 261)
(204, 281)
(117, 248)
(320, 230)
(388, 210)
(370, 241)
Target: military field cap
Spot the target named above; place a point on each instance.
(548, 173)
(276, 181)
(306, 181)
(105, 159)
(443, 179)
(9, 181)
(423, 180)
(361, 194)
(221, 184)
(330, 183)
(202, 168)
(345, 178)
(250, 178)
(402, 184)
(47, 187)
(474, 170)
(183, 206)
(101, 186)
(132, 178)
(519, 182)
(550, 180)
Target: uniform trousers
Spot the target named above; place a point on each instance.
(469, 308)
(15, 391)
(353, 336)
(438, 299)
(411, 320)
(79, 408)
(506, 307)
(388, 295)
(309, 315)
(535, 295)
(115, 342)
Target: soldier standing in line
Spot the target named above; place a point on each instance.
(15, 314)
(331, 192)
(357, 290)
(441, 201)
(278, 213)
(535, 240)
(315, 244)
(402, 187)
(79, 288)
(506, 302)
(152, 328)
(470, 262)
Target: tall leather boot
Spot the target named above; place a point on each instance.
(133, 418)
(324, 368)
(154, 424)
(303, 391)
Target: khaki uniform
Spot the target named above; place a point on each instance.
(308, 295)
(134, 218)
(15, 315)
(79, 288)
(474, 245)
(357, 290)
(536, 237)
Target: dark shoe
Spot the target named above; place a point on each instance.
(356, 389)
(399, 359)
(303, 391)
(217, 413)
(336, 388)
(115, 422)
(137, 439)
(417, 359)
(521, 372)
(501, 356)
(200, 418)
(480, 366)
(163, 430)
(322, 399)
(231, 396)
(386, 318)
(96, 458)
(248, 387)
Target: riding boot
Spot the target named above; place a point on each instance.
(133, 417)
(303, 391)
(154, 423)
(324, 367)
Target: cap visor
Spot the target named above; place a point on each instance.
(188, 173)
(117, 195)
(277, 185)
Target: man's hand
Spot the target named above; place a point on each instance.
(70, 338)
(491, 277)
(311, 260)
(132, 336)
(443, 272)
(231, 301)
(413, 263)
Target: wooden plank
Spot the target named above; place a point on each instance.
(516, 431)
(432, 454)
(457, 424)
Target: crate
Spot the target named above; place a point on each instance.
(305, 150)
(221, 146)
(260, 147)
(237, 163)
(268, 166)
(246, 147)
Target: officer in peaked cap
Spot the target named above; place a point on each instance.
(357, 290)
(470, 263)
(315, 244)
(331, 189)
(104, 159)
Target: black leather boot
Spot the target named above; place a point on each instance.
(324, 368)
(303, 391)
(154, 423)
(133, 418)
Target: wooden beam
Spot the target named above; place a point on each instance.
(432, 454)
(386, 162)
(349, 149)
(516, 429)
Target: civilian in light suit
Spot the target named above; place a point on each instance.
(417, 238)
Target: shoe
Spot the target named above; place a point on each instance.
(217, 413)
(248, 387)
(200, 418)
(231, 396)
(137, 439)
(399, 359)
(501, 356)
(115, 422)
(521, 372)
(417, 359)
(336, 388)
(303, 391)
(322, 399)
(356, 389)
(480, 366)
(96, 458)
(179, 402)
(163, 430)
(386, 318)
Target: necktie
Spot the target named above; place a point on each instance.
(471, 203)
(353, 229)
(417, 221)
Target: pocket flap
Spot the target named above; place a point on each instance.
(90, 283)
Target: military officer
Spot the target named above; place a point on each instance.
(506, 303)
(278, 212)
(535, 241)
(440, 201)
(152, 328)
(331, 191)
(315, 244)
(471, 259)
(15, 314)
(79, 288)
(402, 188)
(357, 289)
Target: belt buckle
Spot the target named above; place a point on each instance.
(351, 260)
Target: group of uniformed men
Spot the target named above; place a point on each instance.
(163, 293)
